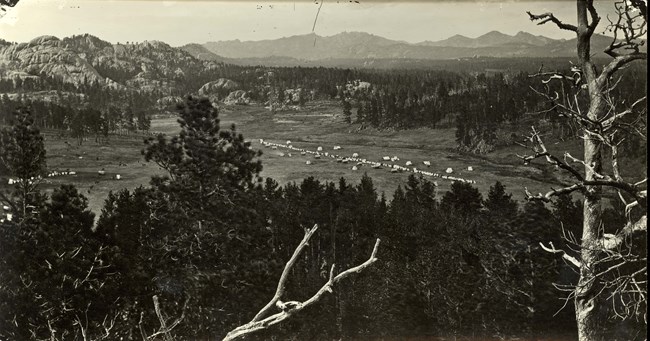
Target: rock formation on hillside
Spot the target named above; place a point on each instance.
(85, 59)
(238, 97)
(218, 87)
(44, 56)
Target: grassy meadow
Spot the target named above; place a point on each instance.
(317, 124)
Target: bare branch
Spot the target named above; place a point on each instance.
(600, 180)
(618, 62)
(540, 151)
(612, 242)
(597, 175)
(285, 274)
(565, 255)
(629, 29)
(546, 17)
(164, 329)
(292, 307)
(610, 121)
(553, 192)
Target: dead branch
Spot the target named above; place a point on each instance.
(565, 255)
(597, 175)
(263, 320)
(629, 29)
(82, 327)
(540, 150)
(285, 274)
(618, 62)
(108, 327)
(546, 17)
(553, 192)
(609, 122)
(616, 241)
(164, 329)
(569, 108)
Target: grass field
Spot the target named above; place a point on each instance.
(318, 124)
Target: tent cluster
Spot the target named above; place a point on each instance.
(29, 181)
(60, 173)
(319, 153)
(48, 175)
(6, 216)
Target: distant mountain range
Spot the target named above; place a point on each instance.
(359, 45)
(155, 66)
(493, 38)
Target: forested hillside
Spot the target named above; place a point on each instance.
(211, 230)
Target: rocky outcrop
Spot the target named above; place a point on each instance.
(293, 96)
(168, 101)
(357, 85)
(237, 97)
(45, 56)
(85, 59)
(218, 87)
(150, 84)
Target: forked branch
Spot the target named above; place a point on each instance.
(629, 29)
(602, 180)
(164, 329)
(565, 255)
(265, 319)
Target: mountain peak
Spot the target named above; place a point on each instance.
(523, 34)
(495, 33)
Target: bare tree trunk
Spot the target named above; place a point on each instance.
(599, 291)
(586, 305)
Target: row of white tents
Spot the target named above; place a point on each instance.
(320, 153)
(51, 174)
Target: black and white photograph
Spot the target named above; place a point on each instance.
(326, 170)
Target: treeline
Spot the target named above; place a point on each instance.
(477, 105)
(488, 109)
(435, 99)
(210, 238)
(85, 117)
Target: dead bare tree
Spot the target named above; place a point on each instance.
(612, 266)
(265, 318)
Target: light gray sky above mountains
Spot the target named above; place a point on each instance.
(181, 22)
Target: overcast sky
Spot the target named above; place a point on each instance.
(182, 22)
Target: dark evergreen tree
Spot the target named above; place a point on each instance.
(500, 204)
(22, 158)
(462, 198)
